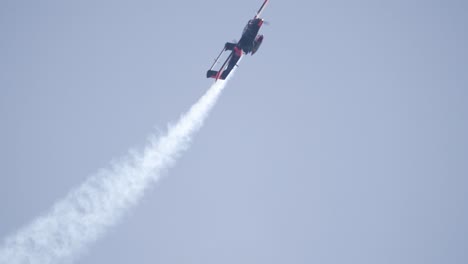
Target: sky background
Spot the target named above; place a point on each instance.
(343, 140)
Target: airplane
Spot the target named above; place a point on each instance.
(248, 43)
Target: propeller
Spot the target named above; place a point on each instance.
(261, 9)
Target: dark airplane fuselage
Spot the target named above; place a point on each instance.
(246, 43)
(249, 42)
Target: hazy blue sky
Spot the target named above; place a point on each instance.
(343, 140)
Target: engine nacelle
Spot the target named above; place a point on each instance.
(257, 42)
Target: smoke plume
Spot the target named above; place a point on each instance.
(89, 210)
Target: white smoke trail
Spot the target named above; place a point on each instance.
(88, 211)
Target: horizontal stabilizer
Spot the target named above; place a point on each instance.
(216, 75)
(229, 46)
(211, 74)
